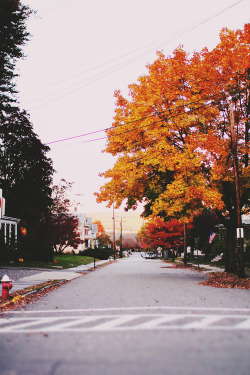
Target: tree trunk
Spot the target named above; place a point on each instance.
(185, 243)
(230, 255)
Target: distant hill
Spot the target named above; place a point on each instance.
(131, 221)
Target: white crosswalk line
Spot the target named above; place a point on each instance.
(155, 322)
(73, 322)
(97, 320)
(204, 321)
(245, 324)
(30, 323)
(113, 323)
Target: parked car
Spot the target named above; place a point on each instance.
(150, 255)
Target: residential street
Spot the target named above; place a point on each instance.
(136, 316)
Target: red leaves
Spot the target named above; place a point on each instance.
(156, 232)
(65, 231)
(226, 280)
(182, 265)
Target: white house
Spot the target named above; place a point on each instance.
(88, 231)
(7, 224)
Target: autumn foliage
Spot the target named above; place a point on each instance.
(65, 232)
(172, 135)
(157, 233)
(100, 227)
(226, 280)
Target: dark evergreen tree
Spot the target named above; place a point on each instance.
(25, 177)
(13, 36)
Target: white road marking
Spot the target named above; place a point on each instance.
(154, 323)
(204, 321)
(126, 322)
(71, 323)
(27, 325)
(245, 324)
(115, 322)
(188, 308)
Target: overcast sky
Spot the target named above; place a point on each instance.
(82, 51)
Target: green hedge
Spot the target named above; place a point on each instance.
(102, 254)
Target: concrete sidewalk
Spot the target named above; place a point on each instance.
(212, 268)
(49, 274)
(208, 268)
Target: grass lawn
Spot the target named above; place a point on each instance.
(61, 261)
(68, 260)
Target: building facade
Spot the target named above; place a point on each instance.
(88, 231)
(7, 224)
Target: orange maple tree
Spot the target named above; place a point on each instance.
(100, 227)
(173, 140)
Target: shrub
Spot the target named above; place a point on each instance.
(97, 253)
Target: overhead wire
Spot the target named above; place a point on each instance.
(85, 71)
(77, 86)
(136, 120)
(140, 127)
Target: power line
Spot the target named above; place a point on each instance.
(87, 70)
(133, 121)
(113, 69)
(141, 127)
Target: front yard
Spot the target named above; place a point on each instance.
(60, 261)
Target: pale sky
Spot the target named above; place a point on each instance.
(82, 51)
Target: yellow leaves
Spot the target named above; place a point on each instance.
(17, 298)
(185, 195)
(173, 134)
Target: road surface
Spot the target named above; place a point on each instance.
(136, 317)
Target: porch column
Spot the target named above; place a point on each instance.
(5, 232)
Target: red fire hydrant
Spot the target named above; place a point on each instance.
(6, 286)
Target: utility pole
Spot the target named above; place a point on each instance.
(185, 243)
(114, 247)
(240, 233)
(121, 240)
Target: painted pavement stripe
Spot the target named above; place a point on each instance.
(204, 322)
(27, 325)
(115, 323)
(70, 324)
(245, 324)
(154, 323)
(126, 322)
(157, 308)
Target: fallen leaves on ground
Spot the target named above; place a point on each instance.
(101, 265)
(29, 295)
(182, 265)
(226, 280)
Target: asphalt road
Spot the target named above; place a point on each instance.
(136, 317)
